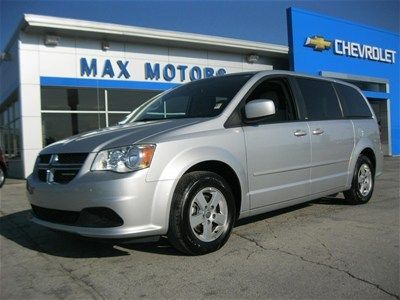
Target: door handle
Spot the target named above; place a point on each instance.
(300, 133)
(318, 131)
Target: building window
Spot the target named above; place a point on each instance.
(369, 85)
(72, 99)
(127, 100)
(70, 111)
(57, 126)
(10, 127)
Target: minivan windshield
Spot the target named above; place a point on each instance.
(199, 99)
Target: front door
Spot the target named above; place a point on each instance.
(278, 149)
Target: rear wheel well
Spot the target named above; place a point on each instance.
(226, 172)
(368, 152)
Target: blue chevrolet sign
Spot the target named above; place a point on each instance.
(352, 49)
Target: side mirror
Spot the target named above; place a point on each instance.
(259, 108)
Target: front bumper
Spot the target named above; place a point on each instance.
(143, 206)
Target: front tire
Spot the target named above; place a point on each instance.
(202, 213)
(363, 182)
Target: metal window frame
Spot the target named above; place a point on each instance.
(389, 121)
(106, 111)
(8, 127)
(345, 76)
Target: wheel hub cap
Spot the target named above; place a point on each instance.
(365, 180)
(208, 214)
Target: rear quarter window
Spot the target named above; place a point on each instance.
(353, 103)
(320, 99)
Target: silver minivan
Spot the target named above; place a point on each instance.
(191, 161)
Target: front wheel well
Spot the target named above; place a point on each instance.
(226, 172)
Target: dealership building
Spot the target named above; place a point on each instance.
(60, 77)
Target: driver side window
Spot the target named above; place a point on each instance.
(277, 90)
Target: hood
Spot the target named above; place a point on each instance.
(116, 136)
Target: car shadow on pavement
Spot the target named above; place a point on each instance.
(270, 214)
(332, 201)
(162, 247)
(17, 227)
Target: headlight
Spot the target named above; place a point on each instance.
(124, 159)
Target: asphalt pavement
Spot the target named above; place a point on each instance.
(323, 249)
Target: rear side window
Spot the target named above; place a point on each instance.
(353, 103)
(320, 99)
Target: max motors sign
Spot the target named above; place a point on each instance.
(352, 49)
(121, 69)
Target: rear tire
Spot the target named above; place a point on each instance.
(202, 213)
(363, 182)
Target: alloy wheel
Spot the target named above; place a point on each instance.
(208, 214)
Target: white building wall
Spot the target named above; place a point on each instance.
(64, 59)
(30, 100)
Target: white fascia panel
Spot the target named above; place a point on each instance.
(36, 21)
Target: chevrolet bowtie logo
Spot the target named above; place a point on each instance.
(318, 43)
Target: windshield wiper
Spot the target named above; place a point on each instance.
(149, 119)
(158, 119)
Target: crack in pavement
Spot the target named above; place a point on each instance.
(84, 284)
(270, 229)
(327, 249)
(317, 263)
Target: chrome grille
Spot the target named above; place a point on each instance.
(59, 168)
